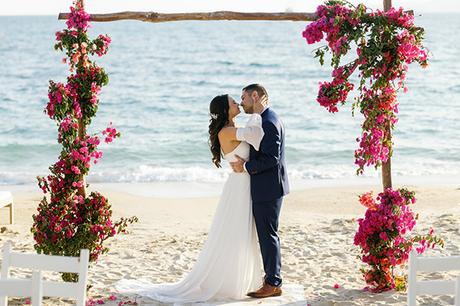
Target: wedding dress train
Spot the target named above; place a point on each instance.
(229, 265)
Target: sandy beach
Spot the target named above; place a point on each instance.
(317, 228)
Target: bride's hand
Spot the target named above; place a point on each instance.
(238, 166)
(260, 105)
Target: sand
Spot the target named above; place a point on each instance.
(317, 227)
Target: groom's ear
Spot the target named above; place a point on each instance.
(255, 96)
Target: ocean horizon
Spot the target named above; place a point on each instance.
(163, 76)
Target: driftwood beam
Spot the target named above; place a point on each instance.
(222, 15)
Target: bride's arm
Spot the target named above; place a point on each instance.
(252, 133)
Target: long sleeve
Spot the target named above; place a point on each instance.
(253, 132)
(270, 151)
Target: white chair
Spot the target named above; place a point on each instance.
(24, 288)
(6, 200)
(70, 290)
(432, 287)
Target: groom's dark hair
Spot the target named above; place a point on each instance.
(257, 87)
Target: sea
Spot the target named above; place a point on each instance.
(163, 76)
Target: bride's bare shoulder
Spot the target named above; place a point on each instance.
(227, 132)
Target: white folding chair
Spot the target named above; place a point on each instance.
(6, 200)
(70, 290)
(24, 288)
(432, 287)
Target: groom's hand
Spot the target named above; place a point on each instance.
(260, 104)
(238, 166)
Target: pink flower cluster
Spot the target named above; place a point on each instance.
(79, 52)
(402, 41)
(102, 301)
(68, 123)
(382, 236)
(69, 219)
(397, 16)
(102, 43)
(110, 133)
(332, 93)
(79, 55)
(329, 19)
(78, 18)
(55, 95)
(68, 98)
(85, 150)
(59, 223)
(61, 99)
(372, 149)
(409, 49)
(95, 90)
(367, 200)
(379, 110)
(68, 170)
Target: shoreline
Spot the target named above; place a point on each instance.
(159, 202)
(168, 190)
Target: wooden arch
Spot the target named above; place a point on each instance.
(227, 15)
(221, 15)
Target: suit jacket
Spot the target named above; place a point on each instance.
(267, 167)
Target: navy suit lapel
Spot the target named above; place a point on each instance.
(265, 114)
(252, 151)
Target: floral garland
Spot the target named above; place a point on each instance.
(70, 220)
(387, 42)
(382, 237)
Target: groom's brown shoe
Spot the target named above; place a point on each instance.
(265, 291)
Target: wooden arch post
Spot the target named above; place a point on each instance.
(386, 167)
(81, 136)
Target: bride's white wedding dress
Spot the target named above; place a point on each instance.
(229, 265)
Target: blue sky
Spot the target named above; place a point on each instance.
(52, 7)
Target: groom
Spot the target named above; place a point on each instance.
(269, 183)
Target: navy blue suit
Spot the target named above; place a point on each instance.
(269, 183)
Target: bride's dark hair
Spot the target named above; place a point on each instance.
(218, 109)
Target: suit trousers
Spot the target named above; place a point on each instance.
(266, 215)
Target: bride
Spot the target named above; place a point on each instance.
(229, 265)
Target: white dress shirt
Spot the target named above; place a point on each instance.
(252, 133)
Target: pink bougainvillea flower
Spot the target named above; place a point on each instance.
(343, 26)
(112, 297)
(382, 236)
(68, 216)
(367, 200)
